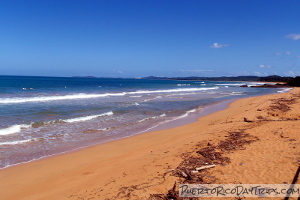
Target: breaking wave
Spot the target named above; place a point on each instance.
(17, 128)
(81, 119)
(88, 96)
(13, 129)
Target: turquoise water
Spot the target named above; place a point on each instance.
(43, 116)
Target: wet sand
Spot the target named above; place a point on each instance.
(138, 166)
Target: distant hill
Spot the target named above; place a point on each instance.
(273, 78)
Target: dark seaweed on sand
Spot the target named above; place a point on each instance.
(211, 154)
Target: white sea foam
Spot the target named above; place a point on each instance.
(81, 119)
(162, 115)
(258, 83)
(88, 96)
(103, 129)
(186, 114)
(131, 123)
(179, 94)
(183, 84)
(231, 84)
(236, 93)
(55, 98)
(17, 128)
(166, 121)
(16, 142)
(13, 129)
(284, 90)
(172, 90)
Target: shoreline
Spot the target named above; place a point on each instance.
(209, 109)
(179, 121)
(172, 123)
(110, 168)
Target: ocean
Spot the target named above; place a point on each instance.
(44, 116)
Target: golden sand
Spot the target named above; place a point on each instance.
(135, 167)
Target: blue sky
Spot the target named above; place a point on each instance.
(110, 38)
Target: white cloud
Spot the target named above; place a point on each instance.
(118, 71)
(291, 73)
(293, 36)
(257, 73)
(265, 66)
(280, 53)
(218, 46)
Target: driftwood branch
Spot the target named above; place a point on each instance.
(183, 174)
(205, 167)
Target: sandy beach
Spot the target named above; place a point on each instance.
(256, 141)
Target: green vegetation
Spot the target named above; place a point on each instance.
(295, 82)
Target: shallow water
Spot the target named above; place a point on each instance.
(42, 116)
